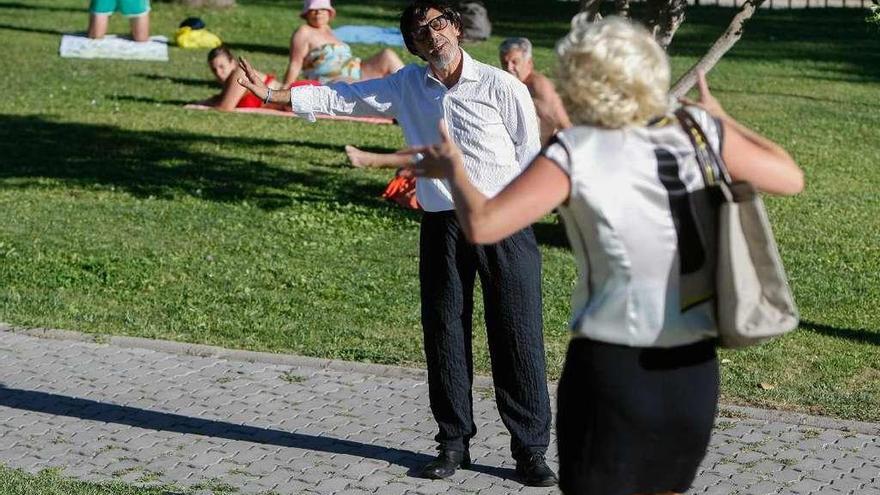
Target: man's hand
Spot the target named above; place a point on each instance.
(438, 160)
(252, 83)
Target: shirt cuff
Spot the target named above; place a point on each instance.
(301, 104)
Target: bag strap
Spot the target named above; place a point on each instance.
(711, 165)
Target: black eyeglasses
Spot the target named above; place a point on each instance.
(438, 23)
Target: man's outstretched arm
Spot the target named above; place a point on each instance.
(372, 98)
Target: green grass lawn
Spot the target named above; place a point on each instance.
(52, 482)
(124, 213)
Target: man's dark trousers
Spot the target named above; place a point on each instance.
(510, 277)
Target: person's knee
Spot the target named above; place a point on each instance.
(140, 28)
(97, 26)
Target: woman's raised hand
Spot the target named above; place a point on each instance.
(252, 82)
(438, 160)
(706, 101)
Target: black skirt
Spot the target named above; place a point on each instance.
(634, 420)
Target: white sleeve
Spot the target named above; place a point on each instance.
(559, 154)
(518, 112)
(371, 98)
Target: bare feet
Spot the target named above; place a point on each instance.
(365, 159)
(356, 156)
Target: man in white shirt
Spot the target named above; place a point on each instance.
(491, 117)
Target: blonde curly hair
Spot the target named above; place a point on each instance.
(611, 73)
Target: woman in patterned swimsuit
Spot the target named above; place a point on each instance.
(319, 55)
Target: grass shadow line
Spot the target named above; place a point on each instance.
(185, 81)
(23, 6)
(860, 335)
(23, 29)
(165, 164)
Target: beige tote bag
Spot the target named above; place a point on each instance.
(753, 300)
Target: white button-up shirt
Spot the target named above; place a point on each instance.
(489, 113)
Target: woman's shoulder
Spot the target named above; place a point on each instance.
(581, 135)
(313, 36)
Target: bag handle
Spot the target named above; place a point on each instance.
(711, 164)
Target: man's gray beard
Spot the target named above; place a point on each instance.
(443, 61)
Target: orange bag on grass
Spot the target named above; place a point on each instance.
(402, 190)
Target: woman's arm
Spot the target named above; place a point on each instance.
(232, 92)
(540, 188)
(299, 49)
(750, 156)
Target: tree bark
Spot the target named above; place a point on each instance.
(724, 43)
(591, 7)
(621, 8)
(663, 18)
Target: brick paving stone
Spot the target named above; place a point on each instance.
(807, 486)
(763, 488)
(95, 410)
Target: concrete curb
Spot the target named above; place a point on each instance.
(215, 352)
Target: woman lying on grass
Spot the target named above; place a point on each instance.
(225, 68)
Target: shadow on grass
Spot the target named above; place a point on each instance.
(147, 99)
(722, 90)
(24, 6)
(860, 335)
(831, 36)
(552, 234)
(185, 81)
(166, 164)
(24, 29)
(283, 51)
(91, 410)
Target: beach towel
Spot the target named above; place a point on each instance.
(369, 35)
(283, 113)
(111, 46)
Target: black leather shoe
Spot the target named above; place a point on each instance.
(534, 471)
(445, 464)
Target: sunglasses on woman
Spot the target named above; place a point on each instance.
(439, 23)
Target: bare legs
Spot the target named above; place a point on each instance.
(381, 64)
(365, 159)
(140, 26)
(98, 25)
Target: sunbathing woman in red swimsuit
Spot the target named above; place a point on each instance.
(225, 68)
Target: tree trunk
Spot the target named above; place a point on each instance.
(663, 17)
(207, 3)
(591, 7)
(724, 43)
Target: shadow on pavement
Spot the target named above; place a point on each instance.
(87, 409)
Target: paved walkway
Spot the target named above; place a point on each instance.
(155, 412)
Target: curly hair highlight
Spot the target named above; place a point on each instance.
(611, 73)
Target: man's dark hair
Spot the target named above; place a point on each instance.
(416, 13)
(220, 50)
